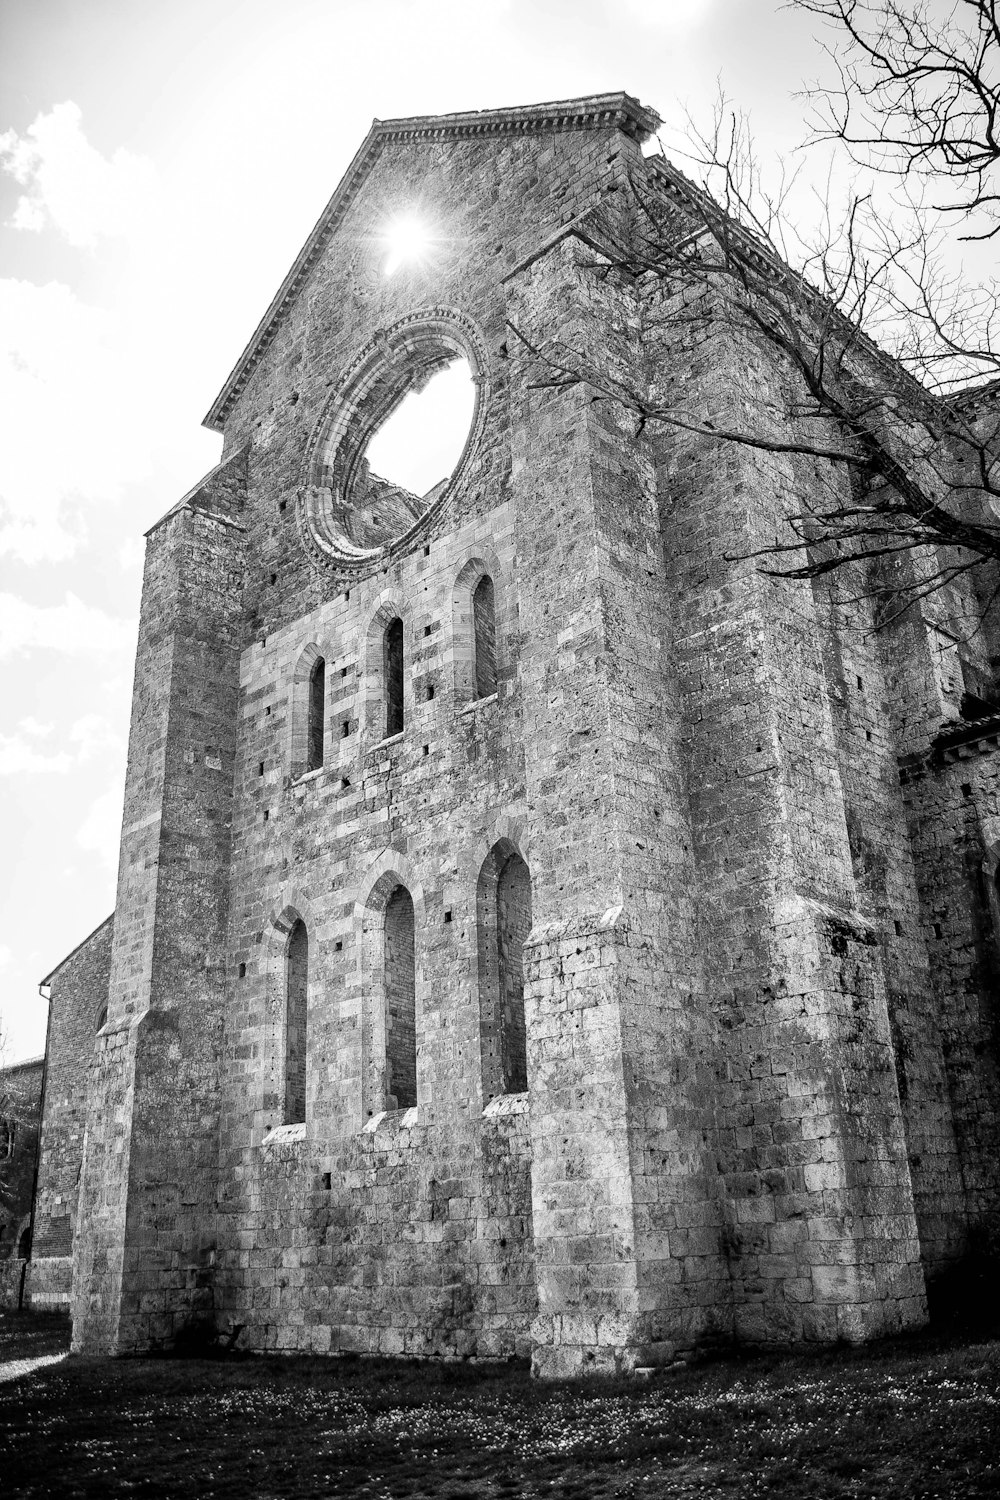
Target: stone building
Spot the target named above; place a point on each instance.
(537, 931)
(20, 1098)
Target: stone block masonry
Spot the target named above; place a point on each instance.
(523, 944)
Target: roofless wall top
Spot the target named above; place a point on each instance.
(597, 112)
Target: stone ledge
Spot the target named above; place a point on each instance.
(507, 1104)
(285, 1135)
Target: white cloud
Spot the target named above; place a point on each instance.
(88, 738)
(5, 955)
(19, 757)
(75, 429)
(35, 727)
(100, 831)
(95, 735)
(132, 554)
(70, 185)
(71, 628)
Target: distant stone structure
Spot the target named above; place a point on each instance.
(20, 1099)
(537, 931)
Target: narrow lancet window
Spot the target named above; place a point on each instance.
(393, 677)
(296, 1012)
(503, 909)
(513, 926)
(400, 1002)
(484, 637)
(317, 711)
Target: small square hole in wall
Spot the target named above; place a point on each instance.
(338, 947)
(267, 711)
(327, 1180)
(347, 596)
(282, 504)
(427, 550)
(343, 671)
(861, 684)
(345, 729)
(966, 790)
(868, 734)
(937, 930)
(447, 916)
(427, 749)
(242, 971)
(899, 927)
(274, 579)
(430, 691)
(427, 630)
(260, 769)
(345, 783)
(267, 816)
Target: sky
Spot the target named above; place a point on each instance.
(161, 163)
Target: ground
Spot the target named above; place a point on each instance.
(912, 1418)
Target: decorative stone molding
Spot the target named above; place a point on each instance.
(394, 362)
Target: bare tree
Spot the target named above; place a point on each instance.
(875, 341)
(918, 94)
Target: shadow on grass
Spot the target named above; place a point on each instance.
(913, 1417)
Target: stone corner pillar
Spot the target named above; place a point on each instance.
(144, 1245)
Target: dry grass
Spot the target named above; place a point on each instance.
(917, 1418)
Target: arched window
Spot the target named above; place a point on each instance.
(484, 625)
(317, 715)
(392, 677)
(102, 1018)
(296, 1014)
(307, 712)
(504, 921)
(400, 1002)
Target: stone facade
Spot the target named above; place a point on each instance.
(78, 1001)
(524, 942)
(20, 1108)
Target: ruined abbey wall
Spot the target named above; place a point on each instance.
(78, 998)
(660, 797)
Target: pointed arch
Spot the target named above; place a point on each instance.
(388, 690)
(503, 922)
(390, 911)
(289, 960)
(307, 712)
(481, 621)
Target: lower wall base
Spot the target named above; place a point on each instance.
(11, 1280)
(49, 1282)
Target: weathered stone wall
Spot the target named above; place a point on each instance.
(20, 1097)
(78, 999)
(145, 1243)
(820, 1229)
(952, 800)
(746, 1111)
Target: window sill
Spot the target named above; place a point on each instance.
(390, 739)
(285, 1135)
(470, 708)
(391, 1121)
(308, 776)
(507, 1104)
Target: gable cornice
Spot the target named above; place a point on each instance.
(597, 112)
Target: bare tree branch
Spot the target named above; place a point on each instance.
(905, 458)
(918, 95)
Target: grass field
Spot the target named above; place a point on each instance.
(914, 1418)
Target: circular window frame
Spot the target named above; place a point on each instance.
(373, 386)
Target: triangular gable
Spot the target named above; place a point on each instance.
(597, 112)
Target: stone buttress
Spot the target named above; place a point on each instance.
(144, 1244)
